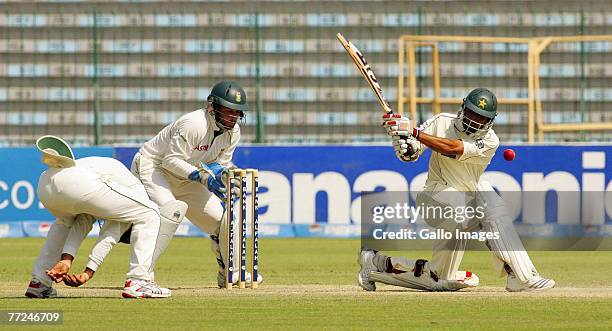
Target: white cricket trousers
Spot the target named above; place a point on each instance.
(448, 253)
(68, 192)
(205, 209)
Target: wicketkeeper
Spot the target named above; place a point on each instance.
(79, 191)
(186, 160)
(462, 148)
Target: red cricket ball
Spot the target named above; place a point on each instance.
(509, 154)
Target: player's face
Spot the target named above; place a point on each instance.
(227, 117)
(473, 121)
(481, 120)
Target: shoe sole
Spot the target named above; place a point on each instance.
(529, 289)
(129, 295)
(36, 296)
(362, 282)
(361, 277)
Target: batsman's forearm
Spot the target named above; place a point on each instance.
(441, 145)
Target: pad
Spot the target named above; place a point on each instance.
(508, 249)
(172, 213)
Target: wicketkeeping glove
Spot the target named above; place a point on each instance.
(216, 180)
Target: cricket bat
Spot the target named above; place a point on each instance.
(366, 70)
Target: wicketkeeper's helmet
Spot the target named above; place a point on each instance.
(229, 94)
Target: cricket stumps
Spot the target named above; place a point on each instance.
(242, 176)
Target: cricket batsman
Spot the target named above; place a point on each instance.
(186, 160)
(462, 148)
(78, 191)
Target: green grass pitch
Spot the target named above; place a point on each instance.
(311, 284)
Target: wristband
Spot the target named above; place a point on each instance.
(415, 133)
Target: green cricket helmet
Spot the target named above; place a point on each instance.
(228, 94)
(56, 152)
(479, 101)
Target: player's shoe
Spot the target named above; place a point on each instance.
(536, 283)
(37, 290)
(141, 289)
(467, 278)
(366, 263)
(221, 279)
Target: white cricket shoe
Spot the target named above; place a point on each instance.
(468, 278)
(366, 263)
(536, 283)
(37, 290)
(463, 279)
(140, 289)
(235, 277)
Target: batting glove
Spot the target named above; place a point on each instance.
(406, 148)
(397, 125)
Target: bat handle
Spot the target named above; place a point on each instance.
(410, 152)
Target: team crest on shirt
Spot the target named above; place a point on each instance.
(201, 148)
(480, 143)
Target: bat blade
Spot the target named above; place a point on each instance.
(366, 70)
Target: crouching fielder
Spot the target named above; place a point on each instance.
(462, 147)
(76, 191)
(111, 233)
